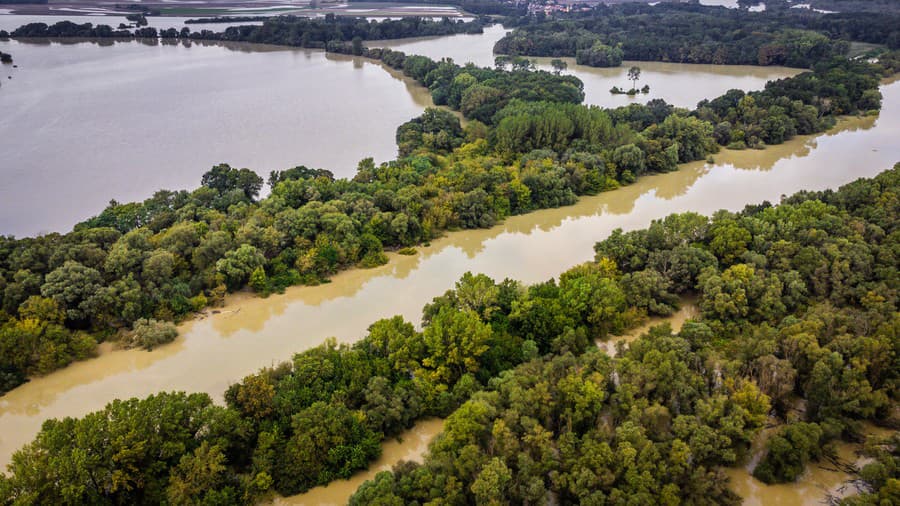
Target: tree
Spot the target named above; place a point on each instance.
(224, 179)
(634, 73)
(149, 334)
(558, 65)
(239, 264)
(454, 340)
(73, 286)
(788, 452)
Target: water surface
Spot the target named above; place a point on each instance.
(84, 123)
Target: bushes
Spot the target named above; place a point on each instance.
(788, 451)
(149, 334)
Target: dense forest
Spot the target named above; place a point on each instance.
(698, 34)
(529, 145)
(798, 301)
(479, 7)
(798, 319)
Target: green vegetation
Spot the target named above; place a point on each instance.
(699, 34)
(149, 333)
(806, 290)
(788, 452)
(319, 417)
(881, 476)
(798, 300)
(529, 146)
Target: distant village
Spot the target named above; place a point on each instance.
(553, 6)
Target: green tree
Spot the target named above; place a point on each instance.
(634, 73)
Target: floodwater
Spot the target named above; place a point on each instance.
(409, 446)
(10, 22)
(819, 482)
(87, 122)
(251, 332)
(687, 309)
(679, 84)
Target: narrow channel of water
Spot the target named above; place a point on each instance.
(10, 22)
(251, 333)
(687, 309)
(409, 446)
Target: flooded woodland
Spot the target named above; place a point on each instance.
(100, 136)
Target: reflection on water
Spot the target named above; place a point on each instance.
(253, 332)
(410, 446)
(677, 83)
(86, 122)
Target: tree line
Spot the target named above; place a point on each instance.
(280, 30)
(478, 7)
(686, 33)
(797, 326)
(178, 252)
(797, 301)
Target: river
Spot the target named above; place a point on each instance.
(87, 122)
(251, 332)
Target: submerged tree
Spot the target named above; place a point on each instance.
(634, 73)
(558, 65)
